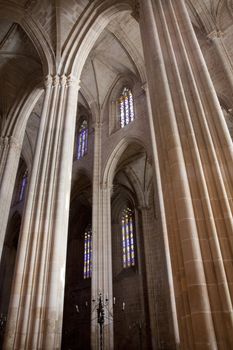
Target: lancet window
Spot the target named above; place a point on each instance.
(23, 186)
(87, 270)
(128, 244)
(82, 143)
(126, 105)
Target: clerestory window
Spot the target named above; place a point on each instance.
(87, 270)
(126, 105)
(128, 244)
(82, 142)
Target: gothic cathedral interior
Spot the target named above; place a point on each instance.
(116, 174)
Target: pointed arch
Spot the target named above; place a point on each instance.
(35, 32)
(111, 164)
(21, 110)
(87, 30)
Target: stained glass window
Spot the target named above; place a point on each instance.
(82, 140)
(87, 252)
(23, 186)
(126, 107)
(127, 228)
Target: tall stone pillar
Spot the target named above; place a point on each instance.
(10, 150)
(36, 306)
(102, 251)
(195, 162)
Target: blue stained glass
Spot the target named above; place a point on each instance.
(87, 269)
(23, 187)
(127, 238)
(82, 140)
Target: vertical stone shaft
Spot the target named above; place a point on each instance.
(158, 185)
(195, 156)
(10, 150)
(36, 306)
(102, 261)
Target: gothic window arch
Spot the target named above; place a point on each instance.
(128, 236)
(82, 139)
(87, 269)
(126, 107)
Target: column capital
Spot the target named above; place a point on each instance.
(144, 86)
(48, 81)
(98, 125)
(105, 186)
(73, 81)
(215, 34)
(56, 80)
(61, 80)
(10, 141)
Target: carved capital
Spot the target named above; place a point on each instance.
(145, 86)
(98, 125)
(56, 80)
(215, 34)
(48, 81)
(73, 81)
(10, 142)
(63, 80)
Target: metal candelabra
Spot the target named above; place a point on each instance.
(100, 306)
(100, 318)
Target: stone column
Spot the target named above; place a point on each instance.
(102, 250)
(10, 150)
(195, 164)
(174, 330)
(36, 306)
(217, 39)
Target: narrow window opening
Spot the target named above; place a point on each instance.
(23, 186)
(126, 105)
(128, 245)
(87, 270)
(82, 141)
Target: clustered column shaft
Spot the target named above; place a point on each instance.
(194, 154)
(102, 257)
(36, 306)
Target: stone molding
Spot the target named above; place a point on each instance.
(10, 141)
(215, 34)
(61, 81)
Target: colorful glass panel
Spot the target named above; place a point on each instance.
(87, 253)
(128, 248)
(126, 107)
(82, 140)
